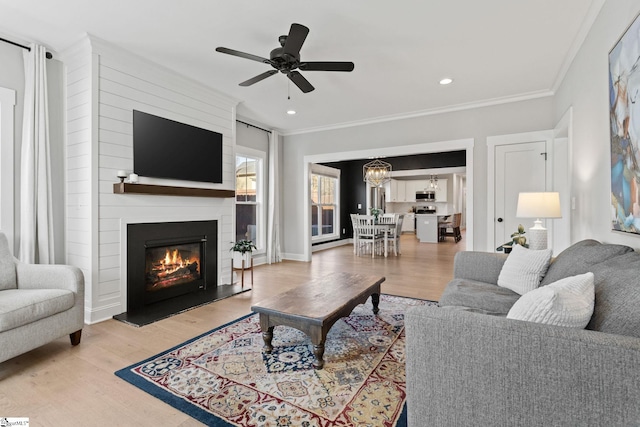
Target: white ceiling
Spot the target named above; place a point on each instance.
(495, 50)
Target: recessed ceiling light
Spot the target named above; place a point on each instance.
(291, 112)
(446, 81)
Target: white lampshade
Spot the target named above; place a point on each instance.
(538, 205)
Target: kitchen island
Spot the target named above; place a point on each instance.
(427, 227)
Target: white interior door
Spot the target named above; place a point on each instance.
(518, 168)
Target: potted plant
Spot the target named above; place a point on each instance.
(518, 237)
(375, 212)
(242, 250)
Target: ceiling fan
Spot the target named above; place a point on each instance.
(286, 59)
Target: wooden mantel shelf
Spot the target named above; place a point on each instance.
(165, 190)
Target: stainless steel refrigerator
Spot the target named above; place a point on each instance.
(377, 198)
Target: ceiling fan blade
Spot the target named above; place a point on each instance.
(295, 39)
(259, 77)
(299, 80)
(243, 55)
(326, 66)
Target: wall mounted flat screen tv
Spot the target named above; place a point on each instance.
(164, 148)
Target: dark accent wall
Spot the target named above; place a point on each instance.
(353, 190)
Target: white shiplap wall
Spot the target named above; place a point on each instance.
(79, 157)
(124, 82)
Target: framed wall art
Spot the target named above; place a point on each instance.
(624, 112)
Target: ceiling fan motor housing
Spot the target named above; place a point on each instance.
(284, 62)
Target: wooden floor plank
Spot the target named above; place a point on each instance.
(57, 384)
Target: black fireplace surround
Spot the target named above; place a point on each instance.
(145, 305)
(142, 237)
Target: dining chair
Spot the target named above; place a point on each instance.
(394, 233)
(443, 225)
(387, 218)
(454, 225)
(457, 220)
(369, 235)
(354, 226)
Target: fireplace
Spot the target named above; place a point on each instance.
(171, 266)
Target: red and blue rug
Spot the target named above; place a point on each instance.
(222, 378)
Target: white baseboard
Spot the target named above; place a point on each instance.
(293, 257)
(330, 245)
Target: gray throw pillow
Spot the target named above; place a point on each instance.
(580, 257)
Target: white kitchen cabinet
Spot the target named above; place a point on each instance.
(401, 190)
(408, 223)
(410, 191)
(421, 185)
(390, 191)
(405, 190)
(441, 192)
(395, 191)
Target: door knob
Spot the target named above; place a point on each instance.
(500, 220)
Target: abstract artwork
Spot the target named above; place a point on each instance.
(624, 108)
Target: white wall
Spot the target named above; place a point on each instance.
(585, 87)
(105, 85)
(475, 123)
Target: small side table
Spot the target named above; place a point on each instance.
(242, 269)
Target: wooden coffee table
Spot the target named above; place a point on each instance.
(315, 306)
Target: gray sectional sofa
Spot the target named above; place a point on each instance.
(38, 303)
(468, 365)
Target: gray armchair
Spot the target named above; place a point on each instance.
(38, 303)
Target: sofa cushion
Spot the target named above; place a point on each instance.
(524, 269)
(617, 287)
(580, 257)
(479, 296)
(7, 266)
(567, 302)
(19, 307)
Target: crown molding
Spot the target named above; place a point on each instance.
(430, 112)
(578, 41)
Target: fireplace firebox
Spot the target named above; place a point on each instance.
(172, 265)
(169, 259)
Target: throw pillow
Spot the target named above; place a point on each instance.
(524, 269)
(567, 302)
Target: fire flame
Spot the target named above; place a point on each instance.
(173, 258)
(172, 262)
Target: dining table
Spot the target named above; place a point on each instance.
(380, 226)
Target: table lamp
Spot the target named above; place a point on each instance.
(538, 205)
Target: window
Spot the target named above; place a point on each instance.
(324, 203)
(249, 198)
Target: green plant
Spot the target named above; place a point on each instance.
(518, 236)
(375, 212)
(243, 246)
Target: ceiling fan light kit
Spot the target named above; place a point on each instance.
(286, 59)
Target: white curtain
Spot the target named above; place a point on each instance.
(36, 222)
(273, 213)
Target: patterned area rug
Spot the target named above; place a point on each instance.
(222, 378)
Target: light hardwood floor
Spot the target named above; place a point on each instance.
(58, 385)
